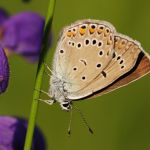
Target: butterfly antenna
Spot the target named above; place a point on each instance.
(84, 120)
(69, 127)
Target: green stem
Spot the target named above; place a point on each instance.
(39, 75)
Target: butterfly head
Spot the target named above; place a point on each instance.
(66, 105)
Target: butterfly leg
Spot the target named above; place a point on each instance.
(48, 68)
(47, 74)
(49, 101)
(41, 91)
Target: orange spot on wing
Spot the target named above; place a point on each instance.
(82, 31)
(100, 31)
(69, 33)
(73, 34)
(91, 30)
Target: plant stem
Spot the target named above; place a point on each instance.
(39, 75)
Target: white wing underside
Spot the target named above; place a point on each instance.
(120, 54)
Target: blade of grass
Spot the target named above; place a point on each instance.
(39, 76)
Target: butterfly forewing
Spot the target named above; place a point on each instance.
(87, 50)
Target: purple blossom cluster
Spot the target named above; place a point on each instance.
(4, 71)
(20, 34)
(13, 132)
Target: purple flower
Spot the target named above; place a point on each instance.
(4, 71)
(22, 34)
(12, 134)
(3, 16)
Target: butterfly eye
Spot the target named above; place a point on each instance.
(65, 104)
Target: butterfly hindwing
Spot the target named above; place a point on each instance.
(126, 56)
(141, 68)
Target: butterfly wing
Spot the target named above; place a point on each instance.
(129, 63)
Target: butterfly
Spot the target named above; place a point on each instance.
(92, 59)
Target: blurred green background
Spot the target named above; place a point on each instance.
(121, 119)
